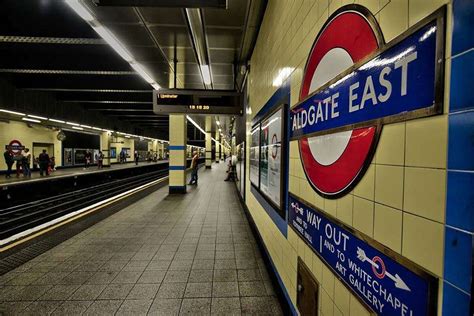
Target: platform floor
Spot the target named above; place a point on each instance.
(190, 254)
(35, 175)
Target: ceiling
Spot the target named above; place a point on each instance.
(46, 46)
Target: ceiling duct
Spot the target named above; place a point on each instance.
(221, 4)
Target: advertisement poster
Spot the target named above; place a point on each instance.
(67, 160)
(254, 155)
(271, 157)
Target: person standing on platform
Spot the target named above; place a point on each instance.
(87, 159)
(194, 167)
(122, 156)
(100, 160)
(8, 155)
(26, 163)
(136, 156)
(44, 162)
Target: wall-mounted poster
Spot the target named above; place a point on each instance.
(254, 156)
(270, 158)
(113, 152)
(67, 159)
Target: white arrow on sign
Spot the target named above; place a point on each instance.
(399, 283)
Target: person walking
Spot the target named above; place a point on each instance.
(136, 156)
(194, 167)
(8, 155)
(100, 160)
(26, 163)
(44, 163)
(87, 159)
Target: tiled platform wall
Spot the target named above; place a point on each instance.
(402, 199)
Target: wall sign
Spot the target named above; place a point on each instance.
(15, 147)
(382, 282)
(353, 84)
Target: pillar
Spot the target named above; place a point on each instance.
(217, 146)
(177, 148)
(208, 142)
(105, 148)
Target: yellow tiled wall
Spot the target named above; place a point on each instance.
(27, 136)
(400, 201)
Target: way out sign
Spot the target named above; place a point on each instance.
(385, 281)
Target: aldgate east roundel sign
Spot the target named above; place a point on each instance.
(354, 83)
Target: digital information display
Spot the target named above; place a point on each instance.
(168, 103)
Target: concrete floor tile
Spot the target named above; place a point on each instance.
(152, 277)
(72, 308)
(103, 308)
(87, 292)
(202, 289)
(41, 308)
(225, 306)
(143, 291)
(227, 275)
(134, 307)
(225, 289)
(165, 307)
(200, 276)
(59, 292)
(203, 264)
(195, 306)
(116, 291)
(102, 277)
(127, 277)
(249, 275)
(253, 288)
(176, 276)
(171, 290)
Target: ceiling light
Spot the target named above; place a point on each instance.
(97, 129)
(71, 123)
(141, 71)
(195, 124)
(80, 10)
(112, 41)
(57, 121)
(156, 86)
(78, 128)
(86, 126)
(206, 74)
(218, 123)
(13, 112)
(31, 120)
(38, 117)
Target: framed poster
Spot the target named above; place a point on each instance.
(270, 157)
(67, 160)
(255, 156)
(113, 152)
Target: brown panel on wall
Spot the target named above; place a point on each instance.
(307, 291)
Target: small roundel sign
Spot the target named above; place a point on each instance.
(15, 147)
(333, 162)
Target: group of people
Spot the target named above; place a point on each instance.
(99, 158)
(23, 161)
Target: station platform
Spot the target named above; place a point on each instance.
(162, 255)
(67, 172)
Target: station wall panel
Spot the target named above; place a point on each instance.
(401, 200)
(27, 136)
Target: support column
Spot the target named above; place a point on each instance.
(208, 142)
(105, 148)
(177, 148)
(218, 146)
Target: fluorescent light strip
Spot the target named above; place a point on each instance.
(110, 38)
(38, 117)
(13, 112)
(31, 120)
(73, 124)
(80, 10)
(57, 121)
(195, 124)
(78, 128)
(206, 74)
(86, 126)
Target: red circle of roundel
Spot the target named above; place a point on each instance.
(350, 31)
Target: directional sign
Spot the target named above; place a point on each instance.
(374, 273)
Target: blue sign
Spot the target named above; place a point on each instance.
(388, 287)
(398, 81)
